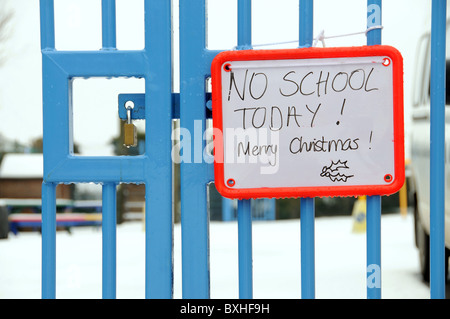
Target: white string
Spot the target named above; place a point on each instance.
(321, 37)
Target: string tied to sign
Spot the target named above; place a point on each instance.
(321, 37)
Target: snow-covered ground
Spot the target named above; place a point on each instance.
(340, 261)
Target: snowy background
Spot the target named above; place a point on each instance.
(340, 261)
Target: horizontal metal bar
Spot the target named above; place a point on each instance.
(102, 169)
(102, 63)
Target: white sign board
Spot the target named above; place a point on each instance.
(308, 122)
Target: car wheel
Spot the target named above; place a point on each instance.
(424, 253)
(423, 243)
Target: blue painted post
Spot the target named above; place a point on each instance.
(307, 209)
(109, 189)
(245, 249)
(373, 202)
(244, 211)
(437, 149)
(307, 212)
(109, 241)
(195, 174)
(244, 25)
(48, 189)
(158, 150)
(48, 240)
(47, 24)
(306, 18)
(271, 209)
(109, 24)
(227, 209)
(373, 222)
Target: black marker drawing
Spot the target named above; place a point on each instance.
(336, 171)
(313, 112)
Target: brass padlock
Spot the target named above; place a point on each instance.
(130, 131)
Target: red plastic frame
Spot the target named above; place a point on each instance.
(310, 53)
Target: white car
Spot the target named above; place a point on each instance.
(420, 154)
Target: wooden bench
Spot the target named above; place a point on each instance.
(19, 220)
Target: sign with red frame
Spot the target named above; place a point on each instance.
(308, 122)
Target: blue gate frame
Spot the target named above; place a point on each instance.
(154, 63)
(154, 169)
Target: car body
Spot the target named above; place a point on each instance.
(420, 152)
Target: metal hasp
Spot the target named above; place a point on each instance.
(154, 63)
(138, 112)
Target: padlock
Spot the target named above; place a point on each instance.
(130, 135)
(130, 131)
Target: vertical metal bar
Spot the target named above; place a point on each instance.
(437, 146)
(244, 211)
(373, 209)
(374, 20)
(245, 249)
(194, 176)
(244, 24)
(158, 146)
(48, 189)
(270, 214)
(109, 240)
(47, 24)
(373, 222)
(227, 209)
(307, 210)
(306, 18)
(48, 240)
(109, 24)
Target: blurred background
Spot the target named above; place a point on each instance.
(97, 128)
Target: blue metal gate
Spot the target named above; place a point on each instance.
(154, 63)
(154, 169)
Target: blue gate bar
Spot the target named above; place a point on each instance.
(244, 14)
(437, 149)
(307, 209)
(195, 67)
(109, 24)
(48, 240)
(47, 25)
(373, 203)
(306, 18)
(48, 188)
(244, 211)
(109, 240)
(307, 215)
(158, 149)
(373, 222)
(245, 249)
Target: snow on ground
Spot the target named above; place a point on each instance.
(340, 261)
